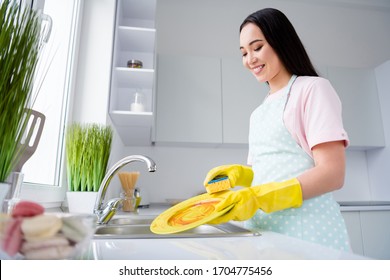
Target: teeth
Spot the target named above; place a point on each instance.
(258, 69)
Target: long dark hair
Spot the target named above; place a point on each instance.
(281, 35)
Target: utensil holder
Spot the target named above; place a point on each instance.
(13, 195)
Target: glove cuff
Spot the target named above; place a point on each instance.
(279, 196)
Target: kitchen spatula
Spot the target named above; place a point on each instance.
(29, 143)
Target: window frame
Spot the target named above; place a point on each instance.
(52, 196)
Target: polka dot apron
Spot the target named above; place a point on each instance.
(277, 157)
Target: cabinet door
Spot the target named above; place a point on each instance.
(241, 93)
(352, 222)
(188, 100)
(361, 111)
(376, 234)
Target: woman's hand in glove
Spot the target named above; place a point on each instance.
(244, 201)
(268, 197)
(239, 175)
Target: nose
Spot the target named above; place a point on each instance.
(251, 59)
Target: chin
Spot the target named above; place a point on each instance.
(261, 79)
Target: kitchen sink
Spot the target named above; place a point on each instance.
(132, 221)
(133, 228)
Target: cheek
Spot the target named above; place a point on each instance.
(271, 57)
(267, 53)
(245, 62)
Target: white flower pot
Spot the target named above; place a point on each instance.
(81, 202)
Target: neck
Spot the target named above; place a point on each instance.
(279, 81)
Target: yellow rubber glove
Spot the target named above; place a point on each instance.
(239, 175)
(269, 197)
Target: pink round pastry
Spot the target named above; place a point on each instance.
(13, 237)
(27, 209)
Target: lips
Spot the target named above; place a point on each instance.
(257, 69)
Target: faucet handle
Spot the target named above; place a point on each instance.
(105, 215)
(114, 203)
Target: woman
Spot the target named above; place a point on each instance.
(296, 141)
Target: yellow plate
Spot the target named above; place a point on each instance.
(188, 214)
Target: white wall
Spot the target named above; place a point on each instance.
(379, 160)
(357, 183)
(90, 101)
(334, 35)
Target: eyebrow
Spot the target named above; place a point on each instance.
(252, 42)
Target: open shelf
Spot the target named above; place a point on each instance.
(135, 37)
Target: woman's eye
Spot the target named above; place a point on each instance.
(244, 55)
(258, 48)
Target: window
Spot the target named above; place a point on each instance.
(44, 171)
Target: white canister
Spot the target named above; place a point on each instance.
(138, 103)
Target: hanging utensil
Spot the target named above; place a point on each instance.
(29, 143)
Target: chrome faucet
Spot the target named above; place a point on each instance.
(104, 213)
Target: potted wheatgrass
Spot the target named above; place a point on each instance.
(88, 149)
(21, 44)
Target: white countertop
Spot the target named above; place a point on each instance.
(268, 245)
(370, 205)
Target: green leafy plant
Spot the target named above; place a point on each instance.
(20, 47)
(88, 149)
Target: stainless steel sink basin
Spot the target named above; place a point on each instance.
(131, 221)
(130, 228)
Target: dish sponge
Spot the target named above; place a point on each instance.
(218, 184)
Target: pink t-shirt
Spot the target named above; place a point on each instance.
(313, 113)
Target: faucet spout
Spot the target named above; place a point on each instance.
(105, 212)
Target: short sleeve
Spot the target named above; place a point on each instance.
(314, 113)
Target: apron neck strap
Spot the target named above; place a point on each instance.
(288, 89)
(292, 80)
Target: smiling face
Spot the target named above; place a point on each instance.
(261, 59)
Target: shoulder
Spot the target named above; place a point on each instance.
(313, 112)
(313, 83)
(314, 88)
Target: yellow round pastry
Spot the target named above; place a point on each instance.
(41, 226)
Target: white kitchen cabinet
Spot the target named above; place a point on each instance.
(188, 100)
(352, 222)
(376, 233)
(189, 94)
(241, 94)
(361, 110)
(369, 231)
(205, 100)
(135, 35)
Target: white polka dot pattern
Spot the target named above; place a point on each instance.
(277, 157)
